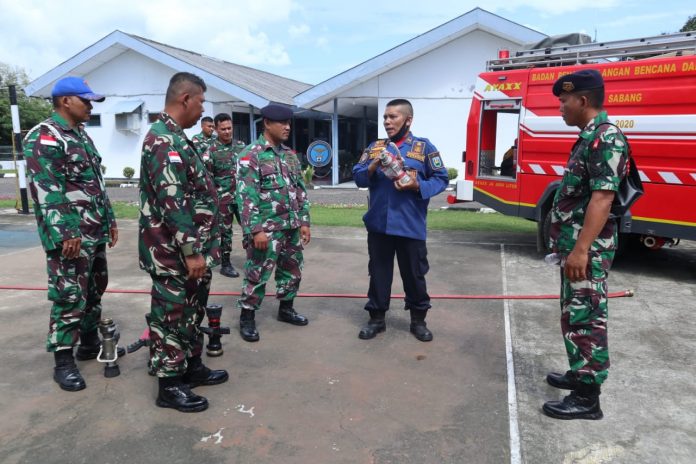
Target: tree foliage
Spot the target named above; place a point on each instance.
(31, 110)
(128, 172)
(690, 24)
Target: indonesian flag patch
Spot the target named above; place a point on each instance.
(174, 157)
(48, 140)
(244, 161)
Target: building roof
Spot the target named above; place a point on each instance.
(250, 85)
(420, 45)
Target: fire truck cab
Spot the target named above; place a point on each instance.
(518, 145)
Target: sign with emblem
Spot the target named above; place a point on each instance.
(319, 153)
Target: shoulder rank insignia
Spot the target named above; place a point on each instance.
(376, 149)
(436, 161)
(418, 147)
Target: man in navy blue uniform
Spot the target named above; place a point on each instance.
(396, 220)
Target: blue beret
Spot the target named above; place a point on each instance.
(276, 112)
(580, 80)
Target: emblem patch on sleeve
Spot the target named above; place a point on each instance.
(48, 140)
(436, 161)
(365, 156)
(174, 157)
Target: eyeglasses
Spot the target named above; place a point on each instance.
(84, 101)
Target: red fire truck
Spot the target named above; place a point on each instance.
(517, 144)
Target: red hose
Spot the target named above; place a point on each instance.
(621, 294)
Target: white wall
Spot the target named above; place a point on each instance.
(440, 87)
(132, 76)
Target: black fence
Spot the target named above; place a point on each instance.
(5, 152)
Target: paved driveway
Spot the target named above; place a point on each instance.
(318, 394)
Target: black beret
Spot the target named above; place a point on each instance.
(579, 80)
(276, 112)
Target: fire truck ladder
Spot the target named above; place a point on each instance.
(620, 50)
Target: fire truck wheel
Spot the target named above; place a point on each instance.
(544, 231)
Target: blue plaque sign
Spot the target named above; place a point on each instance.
(319, 153)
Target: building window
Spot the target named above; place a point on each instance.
(94, 120)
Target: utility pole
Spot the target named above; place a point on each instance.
(17, 153)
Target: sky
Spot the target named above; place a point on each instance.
(306, 40)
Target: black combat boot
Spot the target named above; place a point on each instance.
(226, 267)
(66, 374)
(247, 326)
(418, 326)
(582, 403)
(375, 325)
(198, 374)
(90, 344)
(175, 394)
(286, 313)
(567, 381)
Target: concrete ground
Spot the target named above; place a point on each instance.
(318, 394)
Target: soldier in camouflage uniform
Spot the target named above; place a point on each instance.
(179, 243)
(205, 138)
(274, 210)
(75, 222)
(585, 237)
(221, 161)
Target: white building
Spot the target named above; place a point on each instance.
(436, 71)
(134, 72)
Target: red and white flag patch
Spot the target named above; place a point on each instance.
(244, 161)
(48, 140)
(174, 157)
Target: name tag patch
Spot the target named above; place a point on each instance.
(415, 156)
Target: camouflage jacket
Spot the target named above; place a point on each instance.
(221, 161)
(201, 142)
(66, 185)
(597, 162)
(270, 193)
(178, 202)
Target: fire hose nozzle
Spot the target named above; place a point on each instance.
(108, 353)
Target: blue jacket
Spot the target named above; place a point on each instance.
(401, 213)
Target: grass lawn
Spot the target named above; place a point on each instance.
(328, 215)
(448, 219)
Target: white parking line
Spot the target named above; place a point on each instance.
(10, 253)
(515, 454)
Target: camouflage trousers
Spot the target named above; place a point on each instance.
(75, 286)
(584, 314)
(228, 212)
(176, 312)
(284, 253)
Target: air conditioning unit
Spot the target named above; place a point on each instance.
(129, 122)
